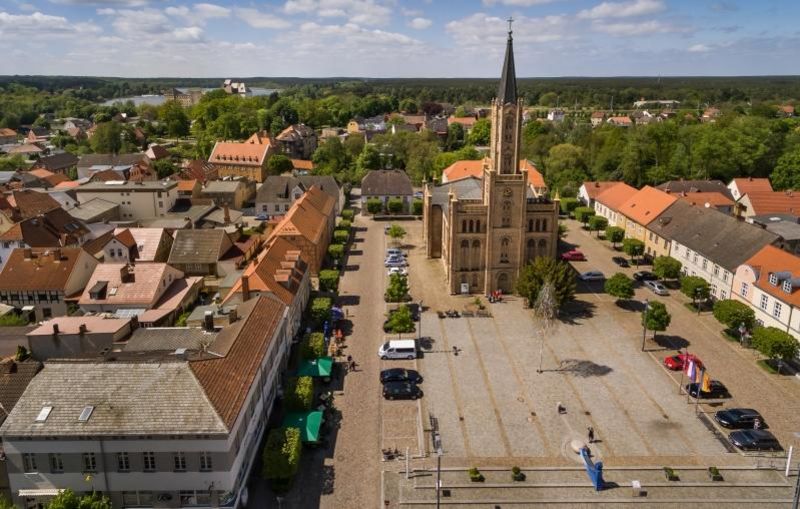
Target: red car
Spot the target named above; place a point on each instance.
(677, 362)
(573, 256)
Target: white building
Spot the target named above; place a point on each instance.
(179, 430)
(136, 200)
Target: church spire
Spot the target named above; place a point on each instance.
(507, 92)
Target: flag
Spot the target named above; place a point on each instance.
(691, 370)
(706, 382)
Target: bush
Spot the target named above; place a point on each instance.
(416, 207)
(12, 320)
(348, 214)
(299, 393)
(68, 499)
(695, 287)
(341, 236)
(582, 214)
(615, 234)
(776, 344)
(670, 474)
(475, 475)
(517, 474)
(656, 317)
(733, 314)
(344, 224)
(329, 280)
(401, 320)
(397, 291)
(282, 453)
(597, 223)
(620, 286)
(667, 267)
(394, 205)
(568, 205)
(313, 346)
(321, 310)
(336, 251)
(374, 205)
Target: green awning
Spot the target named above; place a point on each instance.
(308, 422)
(320, 367)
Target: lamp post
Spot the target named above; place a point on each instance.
(419, 313)
(644, 321)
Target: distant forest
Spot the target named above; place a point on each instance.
(693, 92)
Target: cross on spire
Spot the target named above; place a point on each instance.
(510, 20)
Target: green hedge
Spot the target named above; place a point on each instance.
(321, 310)
(329, 280)
(313, 346)
(348, 214)
(344, 224)
(374, 206)
(341, 236)
(336, 251)
(299, 393)
(282, 453)
(394, 205)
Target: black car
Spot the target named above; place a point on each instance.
(718, 390)
(622, 262)
(401, 390)
(738, 418)
(400, 375)
(644, 275)
(755, 440)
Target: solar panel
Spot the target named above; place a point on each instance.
(86, 413)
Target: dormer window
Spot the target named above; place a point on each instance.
(787, 286)
(773, 279)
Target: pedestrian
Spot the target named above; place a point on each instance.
(560, 408)
(591, 434)
(352, 365)
(349, 362)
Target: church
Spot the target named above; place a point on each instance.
(489, 224)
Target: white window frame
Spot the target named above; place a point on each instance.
(777, 309)
(764, 302)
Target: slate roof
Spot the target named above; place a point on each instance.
(52, 229)
(721, 238)
(89, 160)
(129, 398)
(14, 379)
(149, 339)
(386, 183)
(695, 186)
(277, 188)
(242, 345)
(470, 188)
(91, 209)
(57, 162)
(677, 216)
(198, 246)
(507, 89)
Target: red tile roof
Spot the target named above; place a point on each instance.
(752, 185)
(594, 189)
(279, 268)
(535, 177)
(45, 270)
(774, 202)
(771, 260)
(615, 196)
(463, 169)
(711, 198)
(646, 205)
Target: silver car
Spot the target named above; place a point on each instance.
(656, 287)
(592, 275)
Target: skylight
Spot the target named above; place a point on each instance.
(44, 413)
(86, 413)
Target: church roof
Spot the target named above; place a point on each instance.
(507, 91)
(470, 188)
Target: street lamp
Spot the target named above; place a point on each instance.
(644, 321)
(419, 313)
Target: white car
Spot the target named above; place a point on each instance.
(397, 270)
(656, 287)
(395, 261)
(592, 275)
(393, 251)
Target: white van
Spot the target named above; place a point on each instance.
(398, 349)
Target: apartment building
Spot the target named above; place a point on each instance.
(136, 200)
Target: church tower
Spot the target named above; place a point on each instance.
(506, 118)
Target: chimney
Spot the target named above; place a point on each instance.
(82, 329)
(245, 288)
(28, 253)
(55, 328)
(232, 316)
(208, 321)
(126, 274)
(227, 214)
(57, 254)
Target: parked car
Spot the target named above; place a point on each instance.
(619, 260)
(592, 275)
(401, 390)
(397, 270)
(398, 349)
(755, 440)
(656, 287)
(644, 275)
(573, 255)
(718, 390)
(678, 362)
(395, 261)
(400, 375)
(738, 418)
(393, 251)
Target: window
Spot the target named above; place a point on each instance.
(776, 309)
(130, 498)
(205, 462)
(773, 279)
(694, 258)
(745, 288)
(787, 286)
(161, 204)
(723, 295)
(504, 244)
(764, 302)
(277, 207)
(123, 462)
(89, 462)
(179, 459)
(544, 225)
(724, 275)
(149, 460)
(716, 270)
(705, 263)
(29, 462)
(56, 465)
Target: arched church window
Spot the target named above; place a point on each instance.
(537, 226)
(464, 262)
(505, 245)
(476, 254)
(471, 225)
(506, 218)
(542, 247)
(478, 225)
(463, 225)
(530, 225)
(544, 225)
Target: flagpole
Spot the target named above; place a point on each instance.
(699, 389)
(680, 385)
(691, 375)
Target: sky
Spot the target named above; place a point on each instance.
(398, 38)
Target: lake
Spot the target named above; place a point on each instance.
(157, 100)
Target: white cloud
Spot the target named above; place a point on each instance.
(698, 48)
(258, 19)
(623, 9)
(516, 3)
(360, 12)
(420, 23)
(41, 25)
(118, 3)
(480, 30)
(199, 13)
(410, 12)
(636, 28)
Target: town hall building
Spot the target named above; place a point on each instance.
(486, 228)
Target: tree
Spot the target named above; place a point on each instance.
(336, 251)
(282, 453)
(174, 117)
(455, 136)
(408, 106)
(321, 310)
(394, 205)
(548, 99)
(107, 138)
(374, 205)
(620, 286)
(299, 393)
(329, 280)
(582, 214)
(775, 344)
(368, 159)
(67, 499)
(615, 235)
(164, 167)
(13, 163)
(696, 288)
(655, 317)
(787, 171)
(341, 236)
(397, 291)
(279, 164)
(568, 205)
(401, 320)
(545, 309)
(480, 133)
(313, 346)
(667, 267)
(597, 223)
(348, 214)
(533, 276)
(396, 233)
(733, 314)
(633, 248)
